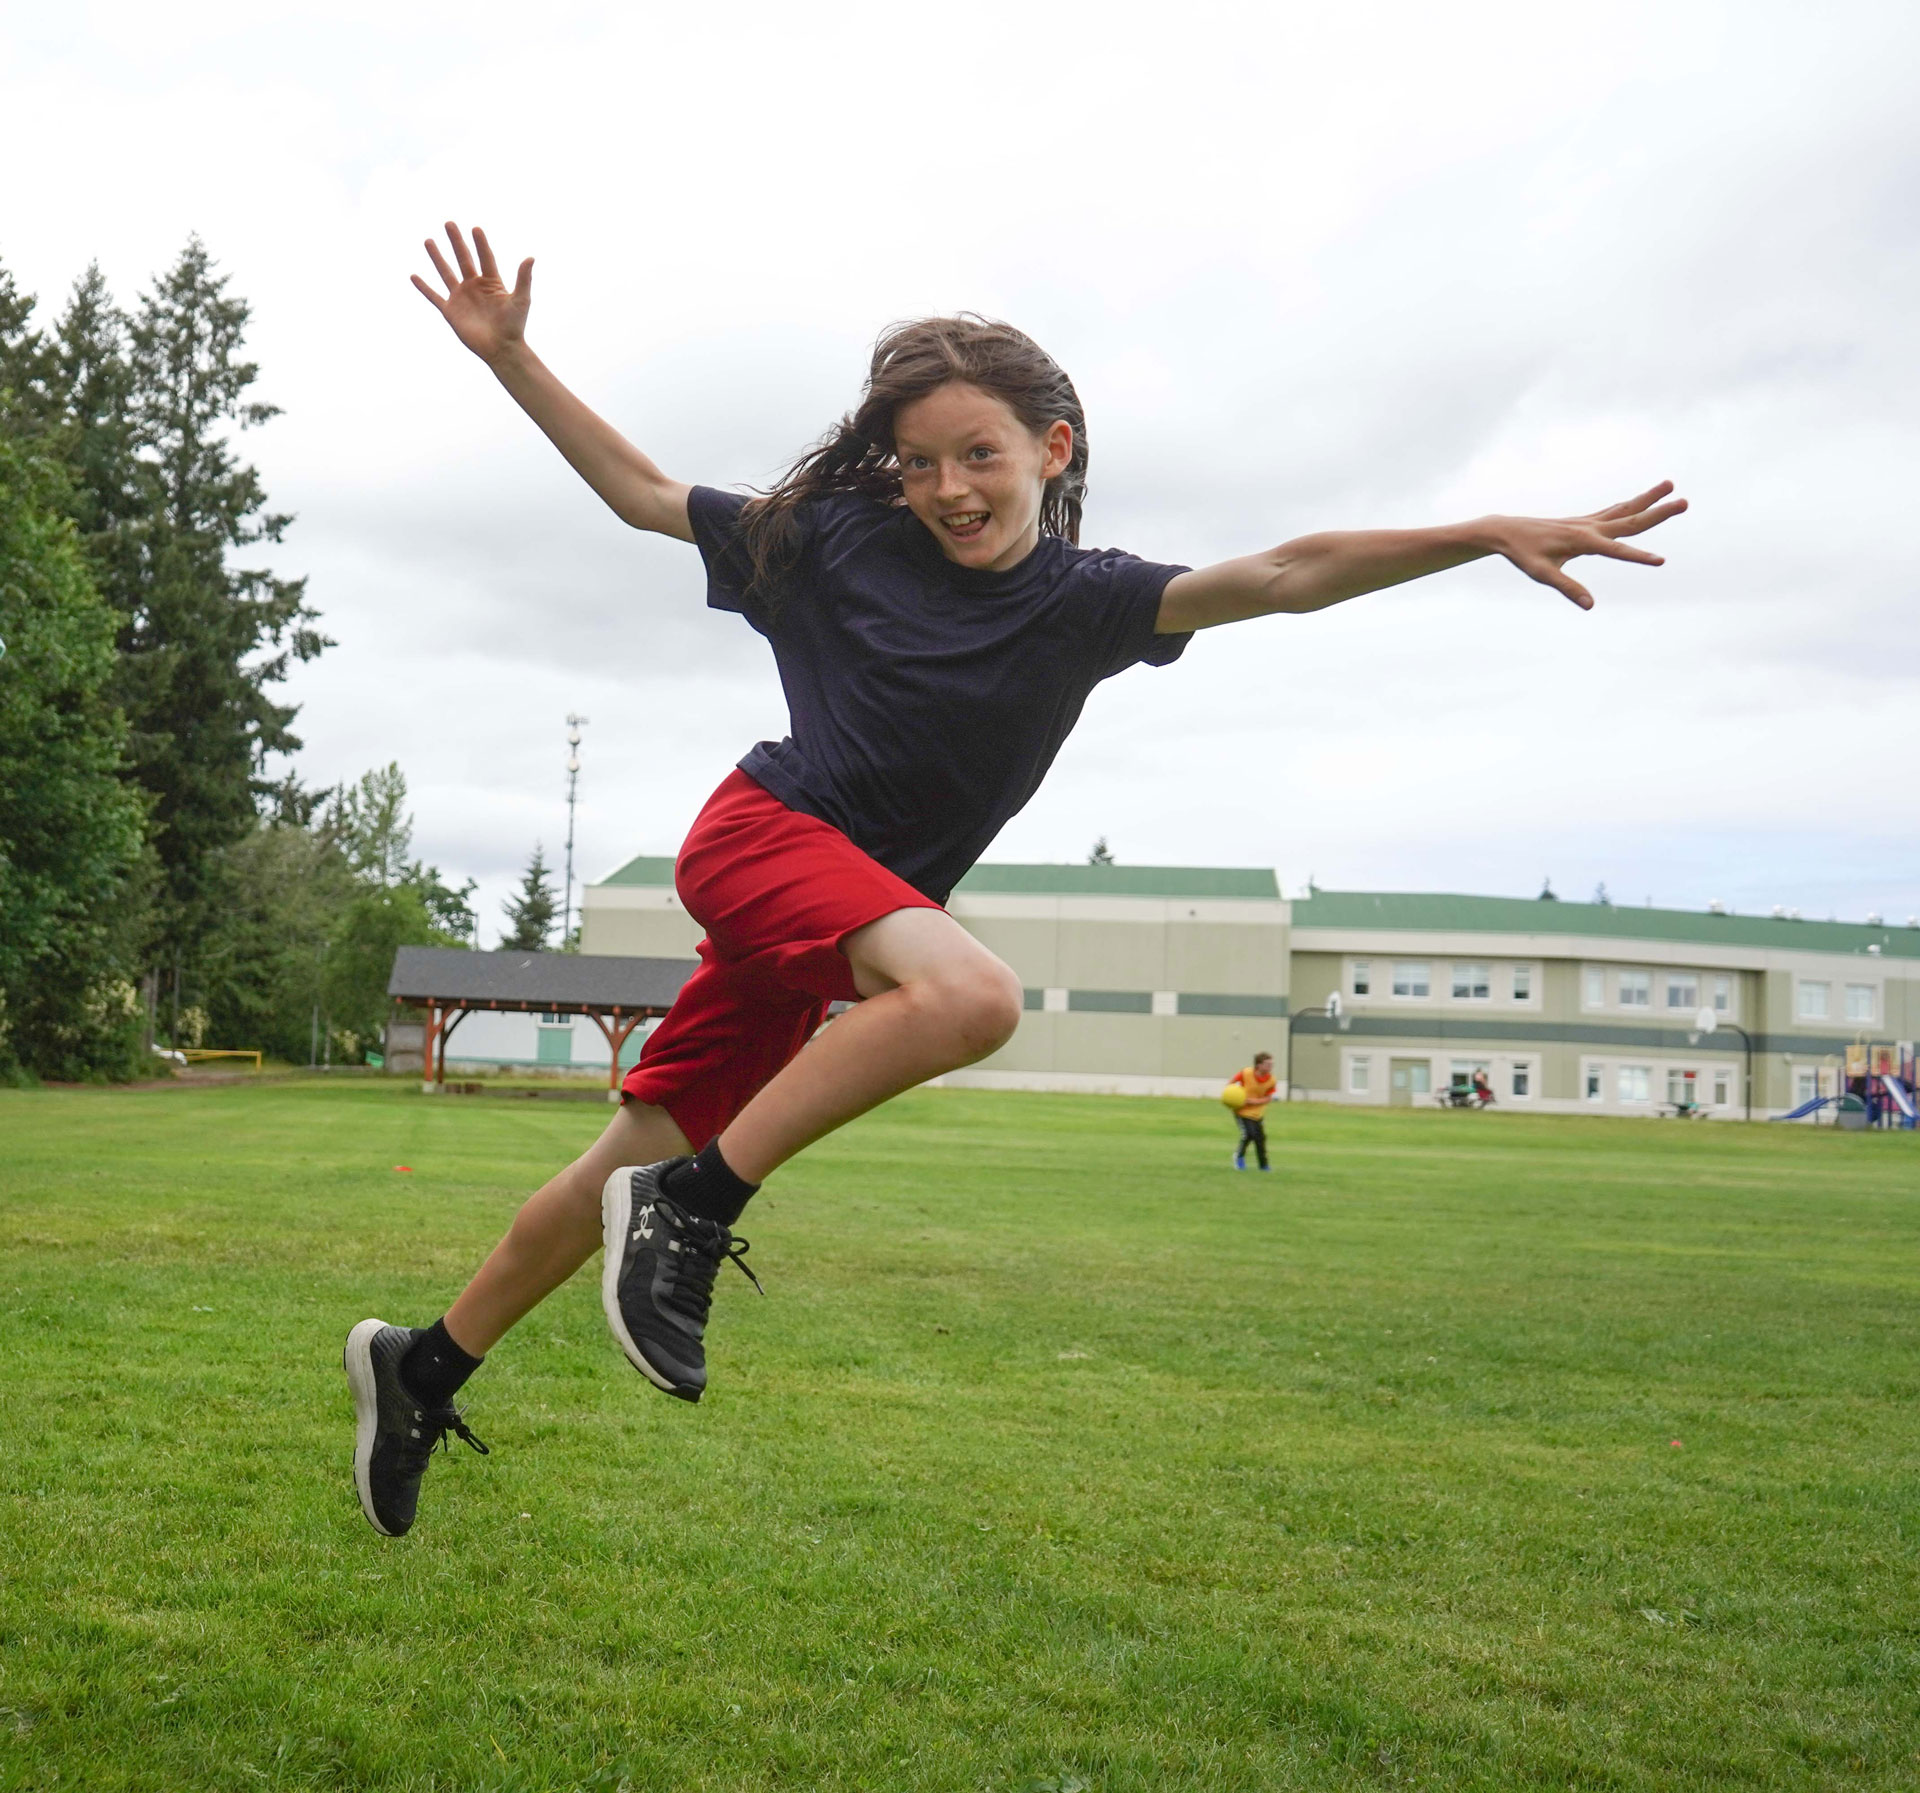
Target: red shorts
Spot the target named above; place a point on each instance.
(777, 892)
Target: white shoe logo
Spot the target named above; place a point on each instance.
(644, 1217)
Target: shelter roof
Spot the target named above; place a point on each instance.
(1441, 912)
(552, 981)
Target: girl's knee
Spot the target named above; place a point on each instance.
(983, 1007)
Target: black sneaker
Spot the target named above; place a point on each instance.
(657, 1281)
(395, 1435)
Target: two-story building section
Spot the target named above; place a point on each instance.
(1591, 1007)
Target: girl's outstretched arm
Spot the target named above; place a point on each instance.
(1318, 570)
(492, 322)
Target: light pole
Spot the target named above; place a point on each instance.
(1331, 1008)
(574, 726)
(1705, 1022)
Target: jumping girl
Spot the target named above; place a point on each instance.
(937, 628)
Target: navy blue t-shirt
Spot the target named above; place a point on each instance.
(927, 699)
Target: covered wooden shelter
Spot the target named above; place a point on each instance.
(616, 994)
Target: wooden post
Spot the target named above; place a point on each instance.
(616, 1037)
(433, 1045)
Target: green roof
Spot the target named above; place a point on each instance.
(648, 868)
(1121, 880)
(1048, 880)
(1443, 913)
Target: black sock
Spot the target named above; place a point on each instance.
(707, 1186)
(435, 1367)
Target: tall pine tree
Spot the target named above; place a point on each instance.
(531, 914)
(152, 406)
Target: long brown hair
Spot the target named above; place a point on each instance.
(909, 361)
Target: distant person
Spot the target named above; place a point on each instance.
(1257, 1081)
(1482, 1089)
(937, 630)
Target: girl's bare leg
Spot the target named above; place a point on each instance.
(557, 1230)
(936, 999)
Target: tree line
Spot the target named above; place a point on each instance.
(157, 884)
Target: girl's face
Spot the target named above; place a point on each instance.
(973, 473)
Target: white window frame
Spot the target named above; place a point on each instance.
(1682, 992)
(1360, 978)
(1522, 984)
(1643, 981)
(1360, 1074)
(1722, 991)
(1593, 986)
(1642, 1075)
(1812, 999)
(1723, 1087)
(1806, 1084)
(1683, 1075)
(1871, 1007)
(1593, 1081)
(1520, 1075)
(1470, 980)
(1403, 973)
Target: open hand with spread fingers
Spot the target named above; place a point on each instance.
(1541, 546)
(481, 311)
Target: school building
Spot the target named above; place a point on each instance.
(1163, 980)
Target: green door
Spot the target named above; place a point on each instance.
(555, 1046)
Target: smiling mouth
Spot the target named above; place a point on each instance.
(965, 525)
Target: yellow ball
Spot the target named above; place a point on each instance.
(1234, 1095)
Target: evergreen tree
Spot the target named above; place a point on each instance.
(28, 370)
(72, 867)
(94, 378)
(1100, 853)
(200, 642)
(531, 913)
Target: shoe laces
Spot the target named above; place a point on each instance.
(706, 1246)
(435, 1426)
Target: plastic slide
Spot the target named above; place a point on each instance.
(1902, 1096)
(1806, 1108)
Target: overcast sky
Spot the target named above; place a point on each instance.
(1309, 267)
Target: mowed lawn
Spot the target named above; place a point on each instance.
(1461, 1452)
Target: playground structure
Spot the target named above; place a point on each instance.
(1875, 1089)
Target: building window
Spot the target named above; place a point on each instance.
(1411, 978)
(1636, 989)
(1522, 1083)
(1634, 1083)
(1523, 983)
(553, 1045)
(1596, 997)
(1723, 996)
(1359, 1075)
(1362, 977)
(1859, 1002)
(1722, 1088)
(1806, 1085)
(1472, 983)
(1815, 1000)
(1593, 1084)
(1683, 1088)
(1683, 991)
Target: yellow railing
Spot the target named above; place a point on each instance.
(194, 1054)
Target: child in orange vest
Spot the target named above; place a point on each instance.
(1257, 1081)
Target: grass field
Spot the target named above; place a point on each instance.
(1463, 1452)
